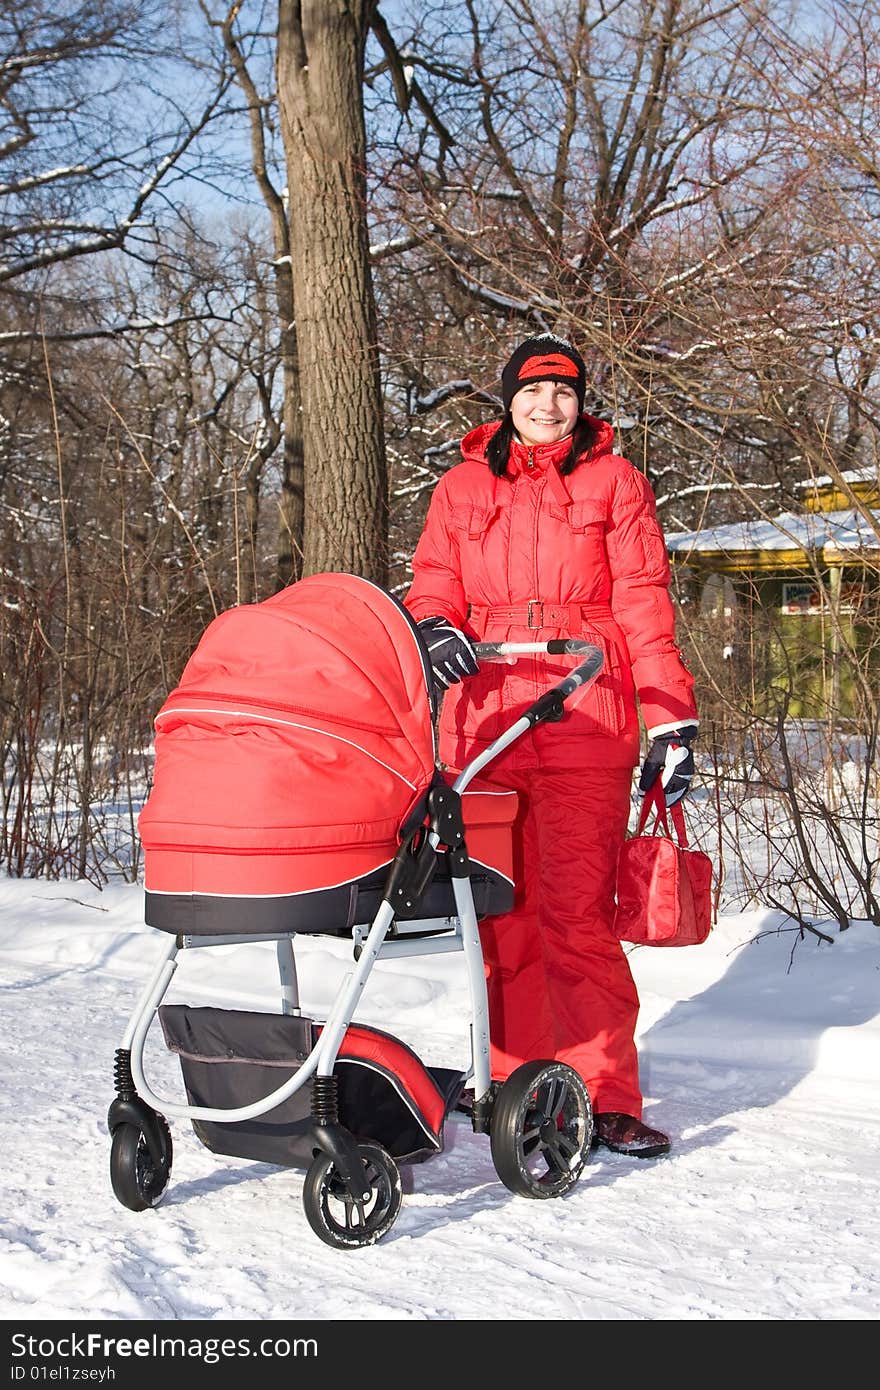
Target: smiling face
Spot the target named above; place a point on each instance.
(544, 412)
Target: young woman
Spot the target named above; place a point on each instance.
(542, 531)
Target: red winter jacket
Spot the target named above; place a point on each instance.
(588, 552)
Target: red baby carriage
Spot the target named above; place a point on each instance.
(296, 791)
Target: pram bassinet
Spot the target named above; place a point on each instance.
(291, 759)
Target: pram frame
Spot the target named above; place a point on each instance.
(138, 1103)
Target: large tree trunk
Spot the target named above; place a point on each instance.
(320, 75)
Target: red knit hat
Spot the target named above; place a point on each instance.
(545, 358)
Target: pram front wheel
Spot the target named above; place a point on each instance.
(336, 1216)
(138, 1181)
(541, 1129)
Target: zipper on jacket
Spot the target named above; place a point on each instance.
(530, 462)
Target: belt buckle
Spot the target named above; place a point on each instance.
(536, 603)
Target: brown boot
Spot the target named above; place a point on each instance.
(624, 1134)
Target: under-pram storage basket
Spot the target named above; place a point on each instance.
(233, 1057)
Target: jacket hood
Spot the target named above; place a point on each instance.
(473, 445)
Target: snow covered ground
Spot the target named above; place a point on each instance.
(760, 1055)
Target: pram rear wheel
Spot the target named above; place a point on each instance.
(333, 1213)
(541, 1129)
(139, 1182)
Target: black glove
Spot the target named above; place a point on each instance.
(671, 759)
(452, 655)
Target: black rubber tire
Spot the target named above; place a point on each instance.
(335, 1217)
(138, 1182)
(541, 1129)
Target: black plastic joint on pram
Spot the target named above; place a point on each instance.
(340, 1146)
(481, 1115)
(131, 1110)
(547, 709)
(447, 819)
(412, 869)
(415, 863)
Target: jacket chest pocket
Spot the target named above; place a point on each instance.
(477, 543)
(579, 529)
(584, 518)
(471, 522)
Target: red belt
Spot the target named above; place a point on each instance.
(536, 613)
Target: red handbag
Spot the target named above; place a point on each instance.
(664, 889)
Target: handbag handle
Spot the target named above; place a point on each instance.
(655, 799)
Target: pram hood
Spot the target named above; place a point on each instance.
(301, 724)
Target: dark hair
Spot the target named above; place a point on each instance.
(583, 437)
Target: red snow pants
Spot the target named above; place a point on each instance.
(559, 982)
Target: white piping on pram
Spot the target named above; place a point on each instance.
(301, 892)
(289, 723)
(294, 892)
(396, 1084)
